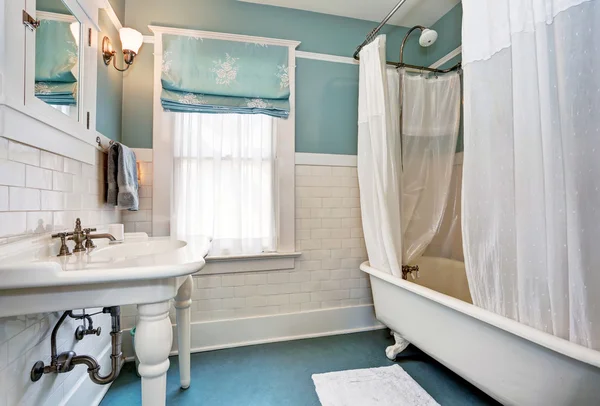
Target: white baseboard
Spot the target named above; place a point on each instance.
(216, 335)
(86, 392)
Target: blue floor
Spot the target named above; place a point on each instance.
(280, 373)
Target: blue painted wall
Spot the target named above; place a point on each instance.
(109, 97)
(327, 93)
(449, 29)
(52, 6)
(119, 9)
(326, 107)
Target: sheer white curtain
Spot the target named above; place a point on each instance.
(223, 181)
(379, 168)
(430, 123)
(402, 208)
(531, 189)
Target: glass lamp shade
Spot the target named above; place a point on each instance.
(131, 40)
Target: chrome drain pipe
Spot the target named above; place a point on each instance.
(66, 361)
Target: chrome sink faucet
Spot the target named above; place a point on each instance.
(79, 236)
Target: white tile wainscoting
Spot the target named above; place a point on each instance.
(41, 192)
(325, 285)
(26, 339)
(141, 221)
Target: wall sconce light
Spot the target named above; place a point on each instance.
(131, 40)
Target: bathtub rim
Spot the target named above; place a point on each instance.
(549, 341)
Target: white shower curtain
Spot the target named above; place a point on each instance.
(430, 123)
(379, 169)
(531, 189)
(402, 208)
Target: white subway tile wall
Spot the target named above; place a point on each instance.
(26, 339)
(327, 275)
(141, 221)
(41, 192)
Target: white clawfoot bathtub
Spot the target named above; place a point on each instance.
(513, 363)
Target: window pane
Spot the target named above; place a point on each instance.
(223, 180)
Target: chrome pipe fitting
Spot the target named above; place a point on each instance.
(66, 361)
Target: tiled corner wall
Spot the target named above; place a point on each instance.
(327, 275)
(42, 192)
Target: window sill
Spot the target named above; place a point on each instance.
(271, 261)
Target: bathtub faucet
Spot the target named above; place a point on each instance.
(409, 269)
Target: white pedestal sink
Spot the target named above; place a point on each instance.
(145, 271)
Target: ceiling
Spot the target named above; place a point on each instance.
(413, 12)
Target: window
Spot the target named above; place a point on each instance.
(229, 176)
(224, 180)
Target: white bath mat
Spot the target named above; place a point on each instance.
(385, 386)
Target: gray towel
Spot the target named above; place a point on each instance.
(122, 178)
(111, 175)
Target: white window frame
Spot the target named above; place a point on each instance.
(284, 167)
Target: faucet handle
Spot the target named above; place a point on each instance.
(64, 248)
(89, 243)
(62, 234)
(78, 225)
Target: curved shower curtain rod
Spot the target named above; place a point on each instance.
(373, 34)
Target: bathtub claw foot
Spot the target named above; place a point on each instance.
(393, 350)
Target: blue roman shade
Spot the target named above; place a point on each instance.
(202, 75)
(56, 54)
(57, 93)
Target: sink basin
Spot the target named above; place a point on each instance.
(34, 263)
(137, 249)
(148, 272)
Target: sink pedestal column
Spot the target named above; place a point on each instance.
(183, 301)
(153, 340)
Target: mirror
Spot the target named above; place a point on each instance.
(57, 55)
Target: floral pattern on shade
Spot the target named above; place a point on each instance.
(221, 76)
(226, 71)
(58, 93)
(191, 98)
(167, 61)
(257, 103)
(42, 88)
(178, 102)
(283, 75)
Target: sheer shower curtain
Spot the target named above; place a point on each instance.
(430, 122)
(531, 189)
(379, 168)
(402, 202)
